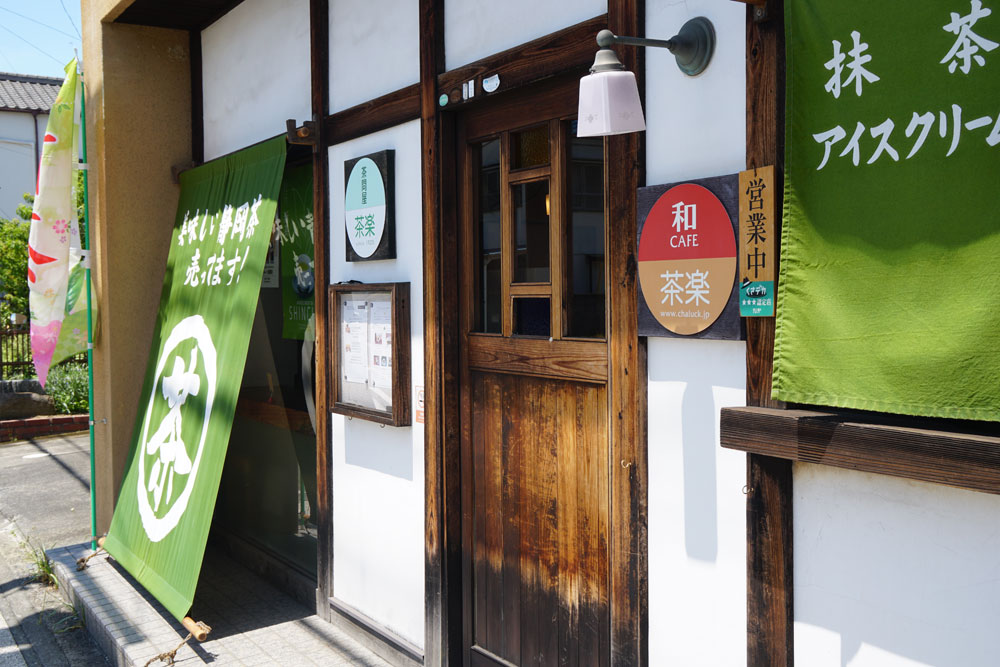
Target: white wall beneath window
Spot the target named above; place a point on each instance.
(474, 29)
(697, 511)
(17, 158)
(893, 572)
(256, 73)
(378, 473)
(374, 49)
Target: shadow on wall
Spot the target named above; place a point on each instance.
(893, 572)
(691, 380)
(388, 449)
(701, 529)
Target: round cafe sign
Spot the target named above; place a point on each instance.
(687, 259)
(364, 206)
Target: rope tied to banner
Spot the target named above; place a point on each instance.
(169, 656)
(81, 563)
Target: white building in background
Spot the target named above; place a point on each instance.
(24, 111)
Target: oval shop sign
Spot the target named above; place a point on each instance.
(365, 207)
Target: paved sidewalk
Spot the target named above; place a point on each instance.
(44, 498)
(252, 622)
(10, 655)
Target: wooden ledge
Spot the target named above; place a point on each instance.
(926, 450)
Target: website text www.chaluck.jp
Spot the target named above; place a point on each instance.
(694, 314)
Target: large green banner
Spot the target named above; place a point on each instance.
(889, 298)
(224, 223)
(295, 220)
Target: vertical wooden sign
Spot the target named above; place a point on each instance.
(757, 257)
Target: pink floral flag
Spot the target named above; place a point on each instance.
(54, 241)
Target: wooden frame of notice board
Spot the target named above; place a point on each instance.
(369, 347)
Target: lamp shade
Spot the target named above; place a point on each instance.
(609, 104)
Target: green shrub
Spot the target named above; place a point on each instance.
(67, 385)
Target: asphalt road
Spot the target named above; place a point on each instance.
(44, 502)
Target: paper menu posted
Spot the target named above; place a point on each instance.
(354, 339)
(380, 344)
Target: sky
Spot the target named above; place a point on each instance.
(38, 36)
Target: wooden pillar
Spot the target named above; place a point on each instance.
(319, 49)
(769, 480)
(442, 548)
(626, 371)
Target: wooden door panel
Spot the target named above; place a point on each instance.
(540, 508)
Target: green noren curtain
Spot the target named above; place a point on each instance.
(297, 255)
(224, 222)
(889, 297)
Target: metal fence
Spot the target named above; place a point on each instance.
(15, 355)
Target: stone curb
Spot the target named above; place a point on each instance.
(121, 622)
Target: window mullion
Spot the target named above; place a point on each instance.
(557, 224)
(506, 236)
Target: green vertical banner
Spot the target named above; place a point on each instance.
(224, 224)
(295, 219)
(888, 291)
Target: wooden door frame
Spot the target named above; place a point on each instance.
(627, 383)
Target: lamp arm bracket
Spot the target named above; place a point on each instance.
(606, 38)
(692, 46)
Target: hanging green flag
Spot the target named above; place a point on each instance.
(295, 220)
(224, 223)
(888, 295)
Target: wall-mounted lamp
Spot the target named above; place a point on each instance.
(609, 96)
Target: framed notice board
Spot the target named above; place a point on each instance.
(370, 351)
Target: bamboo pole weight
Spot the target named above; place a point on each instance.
(197, 629)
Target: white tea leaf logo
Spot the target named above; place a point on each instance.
(169, 457)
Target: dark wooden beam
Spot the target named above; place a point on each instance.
(770, 614)
(869, 442)
(197, 98)
(193, 15)
(765, 76)
(387, 111)
(769, 562)
(319, 50)
(442, 488)
(626, 369)
(569, 50)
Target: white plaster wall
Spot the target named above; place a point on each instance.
(697, 510)
(17, 159)
(893, 572)
(374, 49)
(378, 473)
(697, 520)
(474, 29)
(256, 73)
(696, 126)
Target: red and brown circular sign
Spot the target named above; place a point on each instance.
(687, 259)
